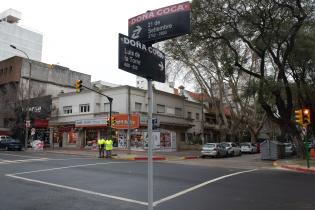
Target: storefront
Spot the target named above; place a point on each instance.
(40, 131)
(91, 130)
(162, 139)
(65, 136)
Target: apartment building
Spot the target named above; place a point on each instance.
(11, 33)
(17, 85)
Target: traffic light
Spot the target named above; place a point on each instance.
(108, 122)
(78, 86)
(113, 121)
(298, 116)
(306, 116)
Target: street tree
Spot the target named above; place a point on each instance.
(264, 31)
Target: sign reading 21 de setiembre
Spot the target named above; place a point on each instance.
(160, 24)
(141, 59)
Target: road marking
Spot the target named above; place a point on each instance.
(73, 188)
(65, 167)
(80, 190)
(199, 186)
(3, 161)
(18, 155)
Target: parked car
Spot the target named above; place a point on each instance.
(248, 147)
(3, 137)
(213, 150)
(11, 144)
(289, 149)
(232, 148)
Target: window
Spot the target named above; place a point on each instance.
(138, 107)
(106, 107)
(189, 115)
(197, 116)
(178, 111)
(160, 108)
(84, 108)
(67, 109)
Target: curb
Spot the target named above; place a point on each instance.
(299, 169)
(155, 158)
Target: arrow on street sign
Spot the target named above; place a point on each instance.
(136, 32)
(161, 24)
(161, 66)
(141, 59)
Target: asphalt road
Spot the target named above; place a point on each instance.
(31, 181)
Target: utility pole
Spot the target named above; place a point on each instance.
(27, 118)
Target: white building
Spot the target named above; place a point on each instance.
(79, 119)
(12, 34)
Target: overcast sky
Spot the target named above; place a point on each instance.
(83, 34)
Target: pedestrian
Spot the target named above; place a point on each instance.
(109, 147)
(101, 145)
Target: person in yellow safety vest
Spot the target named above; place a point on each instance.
(108, 147)
(101, 145)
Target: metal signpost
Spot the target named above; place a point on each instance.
(137, 56)
(161, 24)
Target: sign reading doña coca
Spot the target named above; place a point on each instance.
(140, 59)
(161, 24)
(122, 121)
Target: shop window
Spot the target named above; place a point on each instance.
(138, 107)
(91, 136)
(72, 137)
(84, 108)
(67, 109)
(197, 116)
(160, 108)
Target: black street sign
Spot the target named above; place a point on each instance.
(140, 59)
(161, 24)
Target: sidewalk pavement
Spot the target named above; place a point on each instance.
(123, 154)
(296, 165)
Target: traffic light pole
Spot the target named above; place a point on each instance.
(110, 99)
(306, 147)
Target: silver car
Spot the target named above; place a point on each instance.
(248, 147)
(213, 150)
(232, 148)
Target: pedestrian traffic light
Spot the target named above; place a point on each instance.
(78, 86)
(113, 121)
(298, 117)
(306, 116)
(108, 122)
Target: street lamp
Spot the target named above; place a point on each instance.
(27, 119)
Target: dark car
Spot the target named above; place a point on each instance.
(11, 144)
